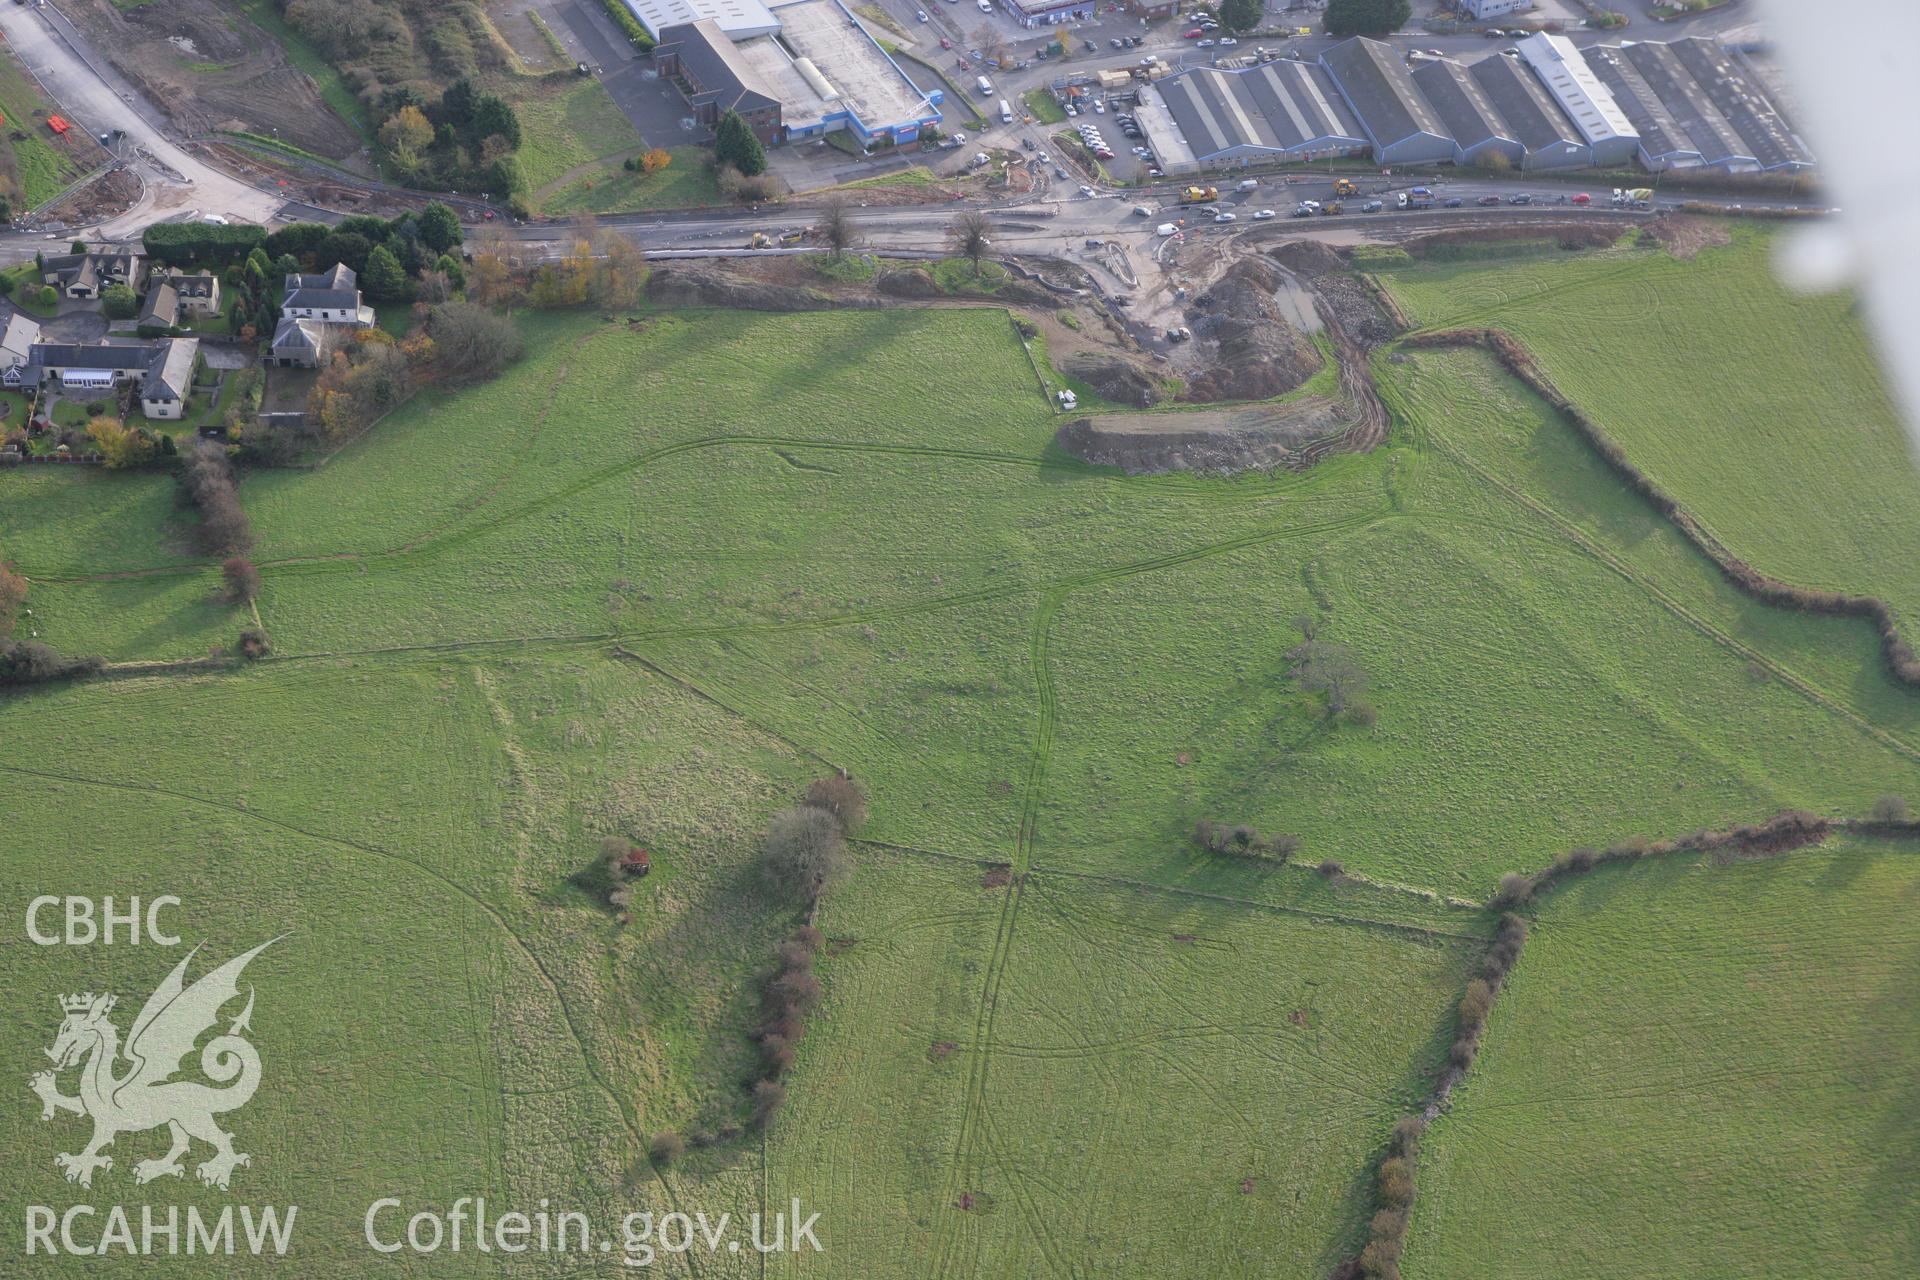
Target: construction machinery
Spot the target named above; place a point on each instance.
(1345, 187)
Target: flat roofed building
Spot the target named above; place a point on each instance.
(1380, 91)
(739, 19)
(1278, 110)
(1047, 13)
(1582, 95)
(873, 97)
(1550, 140)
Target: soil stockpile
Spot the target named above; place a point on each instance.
(1219, 440)
(1261, 355)
(1307, 259)
(915, 282)
(682, 285)
(1116, 379)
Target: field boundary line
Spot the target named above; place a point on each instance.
(1282, 908)
(587, 1062)
(1520, 362)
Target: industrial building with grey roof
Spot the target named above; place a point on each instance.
(1402, 126)
(1543, 104)
(1273, 111)
(1693, 106)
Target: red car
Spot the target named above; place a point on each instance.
(945, 43)
(1194, 34)
(1583, 198)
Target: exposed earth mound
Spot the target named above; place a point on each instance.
(1116, 379)
(915, 282)
(213, 71)
(1248, 439)
(681, 285)
(1308, 259)
(1261, 354)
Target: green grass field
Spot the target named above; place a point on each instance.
(656, 576)
(1696, 1071)
(1779, 435)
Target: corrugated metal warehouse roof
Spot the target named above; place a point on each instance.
(1464, 108)
(1581, 95)
(1380, 89)
(1279, 107)
(1535, 117)
(1546, 106)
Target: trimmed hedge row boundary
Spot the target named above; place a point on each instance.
(1395, 1175)
(1898, 654)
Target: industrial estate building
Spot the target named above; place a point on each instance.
(792, 70)
(1277, 111)
(1543, 104)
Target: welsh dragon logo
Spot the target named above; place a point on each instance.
(145, 1095)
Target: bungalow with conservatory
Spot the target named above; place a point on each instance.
(162, 370)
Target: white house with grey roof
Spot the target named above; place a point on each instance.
(332, 297)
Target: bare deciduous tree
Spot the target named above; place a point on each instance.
(968, 235)
(836, 229)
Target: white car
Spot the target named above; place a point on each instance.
(1206, 44)
(1223, 217)
(920, 14)
(1086, 191)
(1166, 229)
(1099, 107)
(1263, 215)
(959, 137)
(1228, 40)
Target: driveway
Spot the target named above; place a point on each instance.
(75, 322)
(95, 98)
